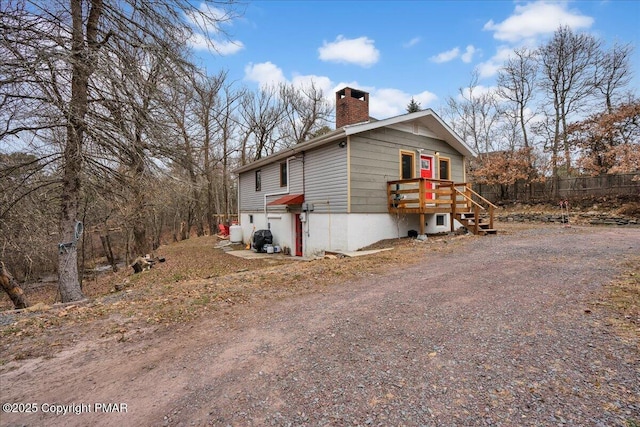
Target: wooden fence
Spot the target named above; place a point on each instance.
(567, 188)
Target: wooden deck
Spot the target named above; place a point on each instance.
(423, 196)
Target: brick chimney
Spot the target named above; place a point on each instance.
(352, 106)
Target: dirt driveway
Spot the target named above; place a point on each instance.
(504, 332)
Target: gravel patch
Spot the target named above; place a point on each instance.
(502, 331)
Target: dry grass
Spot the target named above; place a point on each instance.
(199, 279)
(630, 209)
(623, 297)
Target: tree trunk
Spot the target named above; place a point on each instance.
(82, 60)
(12, 289)
(140, 243)
(106, 245)
(68, 278)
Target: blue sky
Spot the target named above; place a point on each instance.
(396, 50)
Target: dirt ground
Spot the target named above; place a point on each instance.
(459, 331)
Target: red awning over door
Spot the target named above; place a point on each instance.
(289, 199)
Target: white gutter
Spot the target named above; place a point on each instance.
(296, 149)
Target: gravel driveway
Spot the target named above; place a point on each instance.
(502, 332)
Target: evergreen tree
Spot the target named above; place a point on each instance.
(413, 106)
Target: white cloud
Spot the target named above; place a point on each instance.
(467, 56)
(267, 74)
(199, 42)
(425, 98)
(383, 103)
(320, 82)
(208, 18)
(205, 24)
(264, 73)
(491, 67)
(414, 41)
(226, 47)
(454, 53)
(538, 18)
(388, 102)
(360, 51)
(488, 69)
(478, 91)
(447, 56)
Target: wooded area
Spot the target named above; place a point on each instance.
(109, 124)
(114, 142)
(562, 110)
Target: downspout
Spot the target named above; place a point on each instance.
(281, 192)
(238, 201)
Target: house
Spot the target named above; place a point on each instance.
(366, 181)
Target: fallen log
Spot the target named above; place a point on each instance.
(145, 263)
(10, 286)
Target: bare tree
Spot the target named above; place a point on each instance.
(132, 129)
(516, 84)
(613, 73)
(227, 123)
(9, 285)
(567, 63)
(51, 51)
(29, 200)
(306, 110)
(261, 115)
(475, 115)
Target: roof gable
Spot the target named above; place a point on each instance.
(427, 118)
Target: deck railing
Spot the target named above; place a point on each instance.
(420, 195)
(429, 196)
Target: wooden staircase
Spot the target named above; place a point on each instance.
(476, 225)
(427, 196)
(473, 211)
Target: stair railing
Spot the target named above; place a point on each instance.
(468, 195)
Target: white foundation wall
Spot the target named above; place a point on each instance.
(280, 224)
(349, 232)
(365, 229)
(337, 232)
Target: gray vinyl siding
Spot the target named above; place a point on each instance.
(246, 188)
(326, 179)
(375, 159)
(295, 176)
(252, 200)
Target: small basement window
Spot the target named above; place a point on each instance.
(250, 219)
(440, 220)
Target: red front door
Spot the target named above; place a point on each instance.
(298, 236)
(426, 171)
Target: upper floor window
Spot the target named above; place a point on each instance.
(283, 174)
(445, 168)
(258, 180)
(407, 165)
